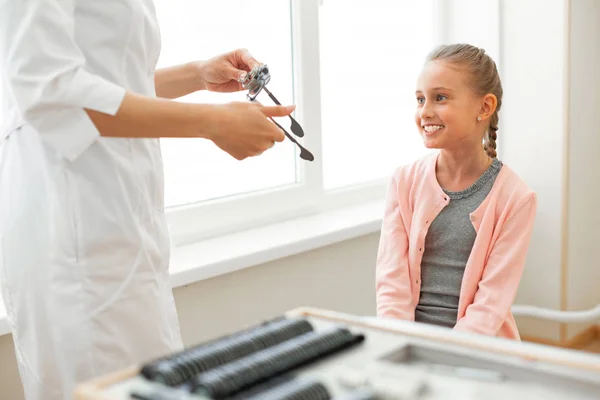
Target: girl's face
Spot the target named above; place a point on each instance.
(447, 108)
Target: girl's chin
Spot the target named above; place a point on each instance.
(432, 140)
(432, 143)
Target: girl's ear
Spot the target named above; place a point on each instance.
(488, 106)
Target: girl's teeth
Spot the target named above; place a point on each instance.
(432, 128)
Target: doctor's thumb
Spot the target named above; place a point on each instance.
(277, 111)
(235, 74)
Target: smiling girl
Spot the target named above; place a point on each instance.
(457, 223)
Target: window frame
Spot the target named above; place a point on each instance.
(195, 222)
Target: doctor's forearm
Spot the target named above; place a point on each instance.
(178, 81)
(144, 117)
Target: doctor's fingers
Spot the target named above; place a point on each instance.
(242, 59)
(265, 144)
(274, 134)
(276, 111)
(257, 149)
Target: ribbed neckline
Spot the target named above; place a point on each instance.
(491, 171)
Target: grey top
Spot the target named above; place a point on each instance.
(448, 245)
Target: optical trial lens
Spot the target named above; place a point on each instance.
(255, 81)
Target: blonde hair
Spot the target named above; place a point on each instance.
(484, 79)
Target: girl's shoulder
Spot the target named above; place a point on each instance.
(511, 189)
(512, 179)
(416, 171)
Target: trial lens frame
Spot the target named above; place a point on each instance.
(255, 81)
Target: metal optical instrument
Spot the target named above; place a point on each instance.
(256, 81)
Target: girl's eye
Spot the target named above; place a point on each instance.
(441, 97)
(420, 100)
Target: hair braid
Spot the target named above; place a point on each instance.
(489, 144)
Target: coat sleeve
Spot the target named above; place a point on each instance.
(393, 289)
(45, 72)
(498, 286)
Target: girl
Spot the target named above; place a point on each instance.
(457, 223)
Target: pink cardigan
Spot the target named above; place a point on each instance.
(503, 222)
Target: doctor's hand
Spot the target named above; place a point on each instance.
(221, 73)
(243, 130)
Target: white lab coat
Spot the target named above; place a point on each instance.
(84, 245)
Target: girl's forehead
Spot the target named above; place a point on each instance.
(438, 74)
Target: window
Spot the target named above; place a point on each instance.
(196, 170)
(349, 66)
(371, 55)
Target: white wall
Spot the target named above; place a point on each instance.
(583, 279)
(531, 137)
(472, 21)
(549, 131)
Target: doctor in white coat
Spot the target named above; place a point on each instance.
(84, 248)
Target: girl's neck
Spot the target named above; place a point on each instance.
(457, 170)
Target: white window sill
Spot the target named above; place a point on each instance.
(233, 252)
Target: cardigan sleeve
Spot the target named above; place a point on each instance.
(393, 289)
(502, 273)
